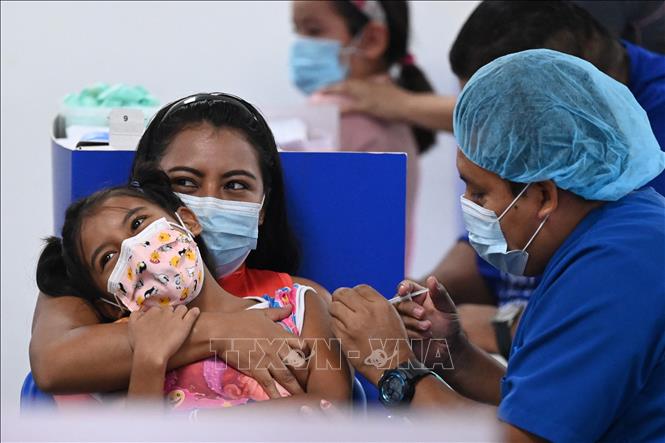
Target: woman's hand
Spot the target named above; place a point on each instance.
(244, 346)
(158, 333)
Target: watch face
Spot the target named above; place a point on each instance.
(392, 389)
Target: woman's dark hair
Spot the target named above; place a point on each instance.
(62, 270)
(276, 249)
(410, 76)
(498, 28)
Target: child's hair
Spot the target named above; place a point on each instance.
(62, 270)
(498, 28)
(410, 76)
(276, 249)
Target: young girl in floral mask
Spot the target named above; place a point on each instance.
(136, 250)
(364, 39)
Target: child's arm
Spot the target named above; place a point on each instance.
(330, 376)
(155, 335)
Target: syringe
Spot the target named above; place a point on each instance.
(409, 296)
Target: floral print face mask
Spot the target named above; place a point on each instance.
(160, 266)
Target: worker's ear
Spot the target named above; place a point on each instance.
(374, 41)
(189, 219)
(549, 198)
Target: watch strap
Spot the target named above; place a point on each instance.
(504, 339)
(502, 322)
(412, 371)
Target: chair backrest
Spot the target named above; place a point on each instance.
(347, 209)
(32, 397)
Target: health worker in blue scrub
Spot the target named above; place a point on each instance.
(555, 155)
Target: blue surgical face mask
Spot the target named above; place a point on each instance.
(230, 229)
(315, 63)
(486, 237)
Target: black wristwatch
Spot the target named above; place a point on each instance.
(397, 386)
(503, 322)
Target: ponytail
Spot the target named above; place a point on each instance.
(413, 79)
(52, 276)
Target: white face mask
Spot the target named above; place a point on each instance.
(486, 237)
(230, 229)
(160, 266)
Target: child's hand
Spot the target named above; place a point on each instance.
(158, 333)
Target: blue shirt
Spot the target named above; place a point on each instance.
(588, 359)
(507, 288)
(647, 83)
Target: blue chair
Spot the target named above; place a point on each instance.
(359, 397)
(32, 397)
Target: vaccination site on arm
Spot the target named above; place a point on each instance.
(270, 221)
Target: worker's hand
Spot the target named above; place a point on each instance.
(158, 333)
(370, 331)
(382, 100)
(432, 324)
(241, 342)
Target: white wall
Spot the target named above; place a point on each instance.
(50, 49)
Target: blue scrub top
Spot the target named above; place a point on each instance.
(588, 359)
(647, 83)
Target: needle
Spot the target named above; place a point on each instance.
(409, 296)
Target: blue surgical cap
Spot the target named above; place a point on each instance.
(542, 115)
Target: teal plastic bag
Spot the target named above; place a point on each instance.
(92, 105)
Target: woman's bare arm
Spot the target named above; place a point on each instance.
(72, 352)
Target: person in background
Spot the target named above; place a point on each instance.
(639, 22)
(494, 29)
(555, 155)
(365, 40)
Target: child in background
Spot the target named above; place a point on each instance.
(137, 248)
(365, 40)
